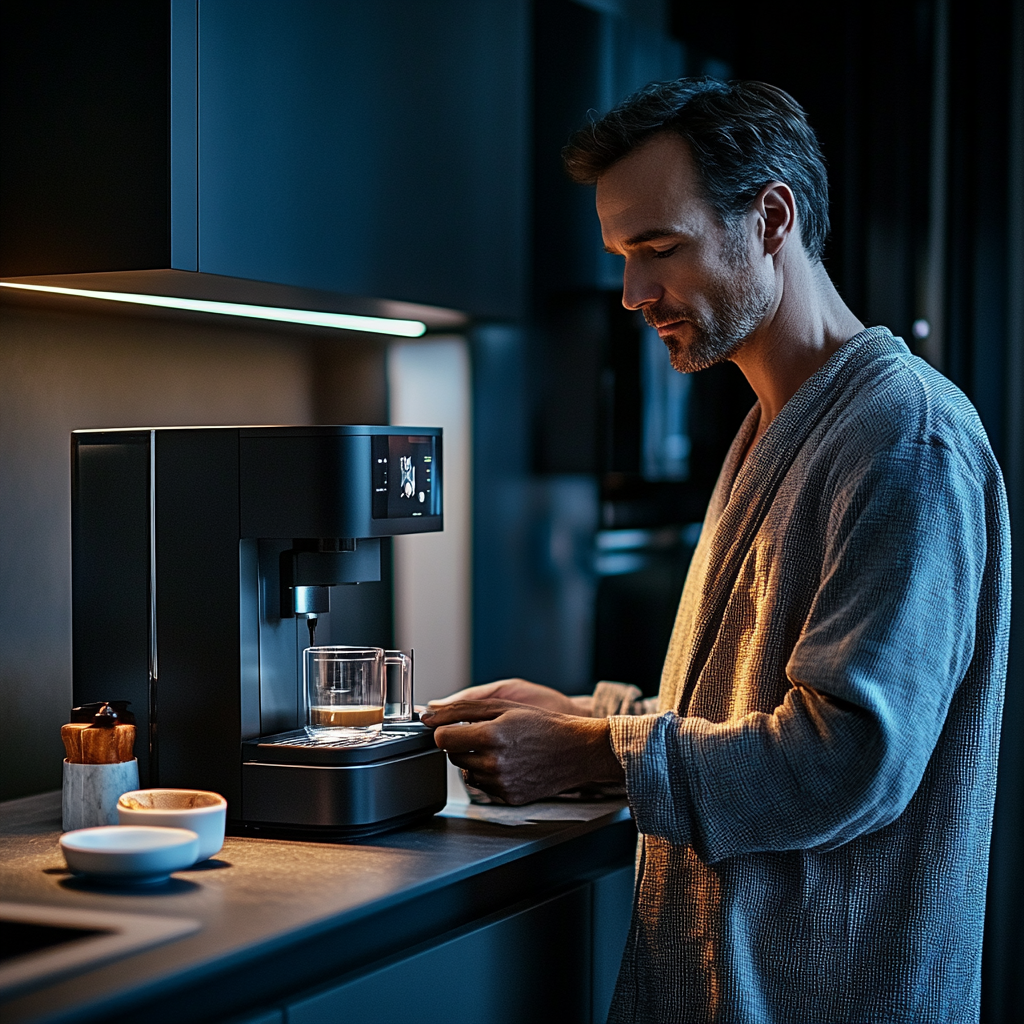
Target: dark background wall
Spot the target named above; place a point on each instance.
(410, 150)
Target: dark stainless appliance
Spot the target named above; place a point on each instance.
(202, 562)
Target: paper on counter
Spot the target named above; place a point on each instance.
(460, 806)
(499, 814)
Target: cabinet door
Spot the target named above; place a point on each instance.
(612, 913)
(367, 148)
(527, 966)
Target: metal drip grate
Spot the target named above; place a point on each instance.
(335, 742)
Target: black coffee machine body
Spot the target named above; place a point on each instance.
(201, 557)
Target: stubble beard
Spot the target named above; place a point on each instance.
(739, 303)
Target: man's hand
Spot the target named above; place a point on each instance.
(522, 692)
(521, 753)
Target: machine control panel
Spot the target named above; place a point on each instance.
(406, 476)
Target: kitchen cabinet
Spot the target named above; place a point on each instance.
(545, 972)
(368, 149)
(559, 960)
(365, 149)
(84, 107)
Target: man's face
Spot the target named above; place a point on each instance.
(704, 286)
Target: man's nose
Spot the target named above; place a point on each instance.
(639, 289)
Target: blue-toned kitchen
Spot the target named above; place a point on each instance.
(372, 448)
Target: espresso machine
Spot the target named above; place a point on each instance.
(203, 563)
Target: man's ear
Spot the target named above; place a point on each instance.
(776, 207)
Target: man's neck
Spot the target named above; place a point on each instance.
(810, 322)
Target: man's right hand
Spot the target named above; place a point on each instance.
(522, 692)
(520, 753)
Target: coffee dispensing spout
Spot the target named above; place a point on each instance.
(311, 567)
(311, 602)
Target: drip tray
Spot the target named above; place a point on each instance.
(291, 782)
(297, 748)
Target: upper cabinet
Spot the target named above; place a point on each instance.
(366, 148)
(85, 137)
(363, 148)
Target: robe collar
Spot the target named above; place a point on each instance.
(747, 487)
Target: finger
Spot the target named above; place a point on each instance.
(461, 738)
(472, 761)
(466, 711)
(484, 780)
(479, 692)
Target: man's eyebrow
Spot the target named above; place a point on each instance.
(645, 236)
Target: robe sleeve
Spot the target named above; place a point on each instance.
(617, 699)
(888, 639)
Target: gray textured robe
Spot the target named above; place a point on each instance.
(815, 796)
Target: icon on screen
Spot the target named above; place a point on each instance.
(407, 485)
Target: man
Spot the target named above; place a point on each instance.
(814, 792)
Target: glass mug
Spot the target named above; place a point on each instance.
(350, 692)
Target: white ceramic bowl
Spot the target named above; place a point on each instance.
(130, 854)
(197, 809)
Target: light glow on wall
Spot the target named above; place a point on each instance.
(309, 317)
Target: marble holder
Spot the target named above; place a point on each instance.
(91, 792)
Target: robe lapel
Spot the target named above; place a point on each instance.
(745, 492)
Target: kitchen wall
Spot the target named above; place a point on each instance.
(68, 365)
(429, 384)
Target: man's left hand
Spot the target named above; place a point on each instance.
(521, 753)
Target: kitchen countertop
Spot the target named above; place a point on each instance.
(278, 915)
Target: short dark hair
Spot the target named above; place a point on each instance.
(741, 134)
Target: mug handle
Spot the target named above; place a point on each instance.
(398, 710)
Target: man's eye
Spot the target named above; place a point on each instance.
(660, 254)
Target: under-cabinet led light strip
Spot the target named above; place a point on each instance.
(341, 321)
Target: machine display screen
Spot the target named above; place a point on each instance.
(406, 475)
